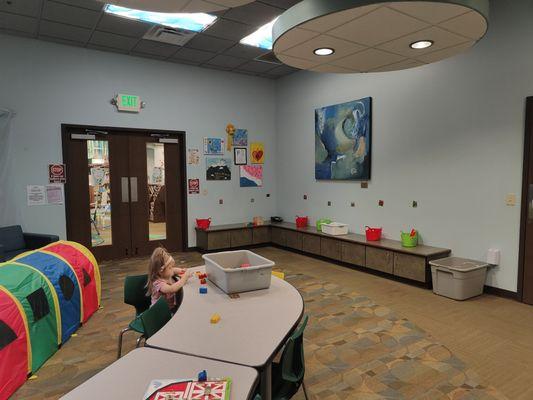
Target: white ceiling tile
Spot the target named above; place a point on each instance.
(471, 25)
(440, 37)
(379, 26)
(292, 38)
(59, 12)
(335, 69)
(368, 60)
(30, 8)
(341, 47)
(445, 53)
(330, 21)
(296, 62)
(19, 23)
(431, 12)
(406, 64)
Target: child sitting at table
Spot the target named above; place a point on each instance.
(161, 271)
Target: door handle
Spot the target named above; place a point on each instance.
(125, 189)
(133, 186)
(530, 203)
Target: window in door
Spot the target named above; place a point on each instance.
(99, 192)
(155, 164)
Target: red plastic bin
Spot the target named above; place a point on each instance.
(301, 222)
(373, 234)
(203, 223)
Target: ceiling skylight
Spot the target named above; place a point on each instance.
(261, 38)
(196, 22)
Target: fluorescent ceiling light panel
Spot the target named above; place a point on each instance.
(261, 38)
(196, 22)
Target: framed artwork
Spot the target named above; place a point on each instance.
(240, 137)
(193, 156)
(218, 169)
(257, 153)
(251, 176)
(343, 135)
(240, 155)
(213, 146)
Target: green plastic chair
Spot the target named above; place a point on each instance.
(288, 374)
(135, 295)
(155, 318)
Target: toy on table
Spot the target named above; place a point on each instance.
(278, 274)
(215, 318)
(245, 265)
(188, 389)
(202, 276)
(203, 290)
(203, 281)
(202, 376)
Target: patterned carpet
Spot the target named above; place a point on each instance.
(355, 349)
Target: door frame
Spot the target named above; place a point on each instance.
(528, 133)
(180, 135)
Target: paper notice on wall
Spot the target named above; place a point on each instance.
(35, 195)
(54, 194)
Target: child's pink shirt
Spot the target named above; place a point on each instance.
(156, 293)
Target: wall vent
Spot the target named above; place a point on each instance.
(269, 58)
(164, 34)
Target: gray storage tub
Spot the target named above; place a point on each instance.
(458, 278)
(224, 270)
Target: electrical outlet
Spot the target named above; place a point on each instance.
(510, 199)
(329, 203)
(268, 194)
(305, 197)
(364, 185)
(352, 204)
(381, 203)
(415, 204)
(252, 200)
(220, 201)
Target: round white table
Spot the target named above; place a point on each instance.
(129, 377)
(252, 329)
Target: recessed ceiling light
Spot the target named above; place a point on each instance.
(196, 22)
(324, 51)
(262, 37)
(421, 44)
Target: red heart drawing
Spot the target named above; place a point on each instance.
(258, 154)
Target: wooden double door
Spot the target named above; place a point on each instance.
(125, 190)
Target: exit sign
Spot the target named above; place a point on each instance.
(128, 102)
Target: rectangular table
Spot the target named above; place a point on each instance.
(129, 377)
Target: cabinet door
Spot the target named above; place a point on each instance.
(293, 239)
(278, 236)
(261, 235)
(379, 259)
(330, 248)
(311, 243)
(218, 240)
(241, 237)
(410, 267)
(353, 253)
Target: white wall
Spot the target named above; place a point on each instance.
(449, 135)
(49, 84)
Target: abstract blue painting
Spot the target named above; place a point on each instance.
(343, 134)
(240, 138)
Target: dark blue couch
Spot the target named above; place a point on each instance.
(14, 242)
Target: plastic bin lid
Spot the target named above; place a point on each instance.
(335, 224)
(459, 264)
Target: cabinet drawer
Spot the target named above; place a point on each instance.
(261, 235)
(330, 248)
(278, 236)
(410, 267)
(311, 243)
(241, 237)
(379, 259)
(353, 253)
(218, 240)
(293, 240)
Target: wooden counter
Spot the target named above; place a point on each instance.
(387, 256)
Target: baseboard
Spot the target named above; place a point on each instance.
(193, 248)
(500, 292)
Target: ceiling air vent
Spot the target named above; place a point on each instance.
(269, 58)
(164, 34)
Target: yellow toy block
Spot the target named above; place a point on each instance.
(278, 274)
(215, 318)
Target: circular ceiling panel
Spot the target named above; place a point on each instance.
(377, 36)
(179, 6)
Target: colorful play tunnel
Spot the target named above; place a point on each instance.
(45, 295)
